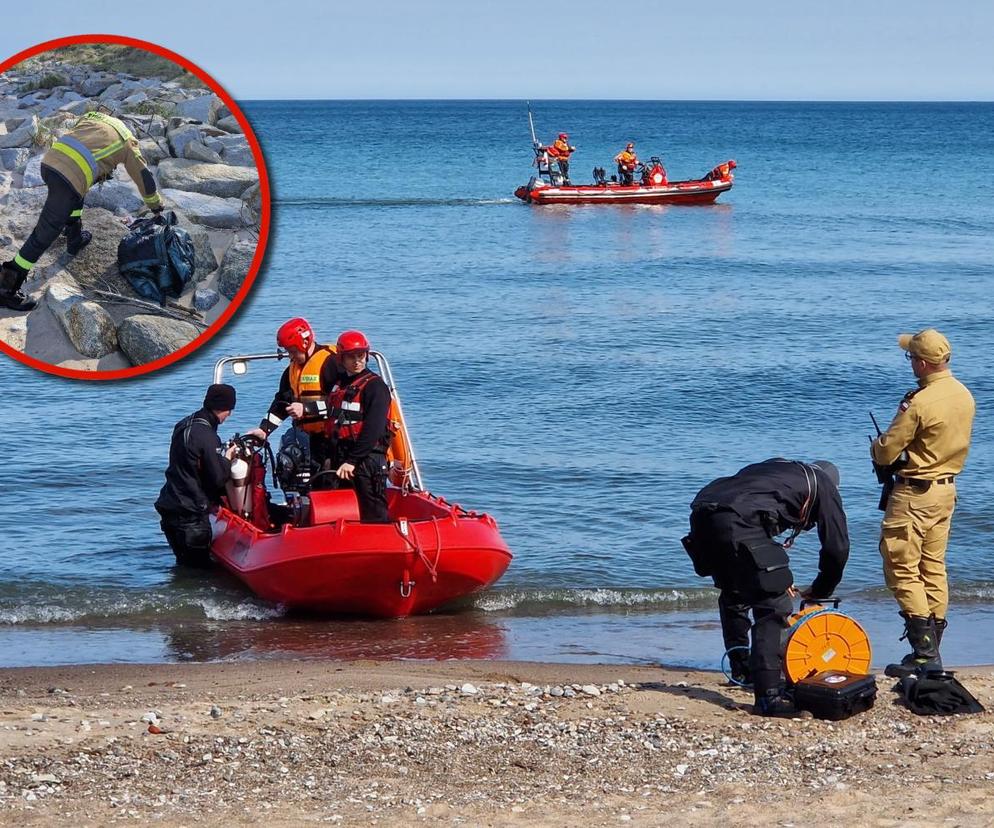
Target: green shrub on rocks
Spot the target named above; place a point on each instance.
(49, 81)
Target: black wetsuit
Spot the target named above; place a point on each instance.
(368, 452)
(733, 522)
(195, 480)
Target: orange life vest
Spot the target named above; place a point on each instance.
(561, 149)
(305, 382)
(627, 160)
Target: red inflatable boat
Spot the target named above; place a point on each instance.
(701, 191)
(313, 553)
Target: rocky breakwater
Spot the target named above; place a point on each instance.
(88, 316)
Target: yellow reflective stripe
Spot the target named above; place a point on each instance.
(103, 153)
(76, 213)
(151, 199)
(20, 261)
(114, 123)
(81, 162)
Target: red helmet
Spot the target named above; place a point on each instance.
(732, 163)
(352, 341)
(563, 135)
(295, 333)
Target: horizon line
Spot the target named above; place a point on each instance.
(632, 100)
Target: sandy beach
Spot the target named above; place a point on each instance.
(467, 743)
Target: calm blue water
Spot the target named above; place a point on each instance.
(578, 372)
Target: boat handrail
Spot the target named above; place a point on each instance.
(416, 481)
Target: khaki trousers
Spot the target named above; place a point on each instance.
(913, 540)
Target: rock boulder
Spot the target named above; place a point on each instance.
(22, 135)
(182, 135)
(219, 180)
(91, 329)
(145, 338)
(235, 267)
(195, 151)
(222, 213)
(203, 108)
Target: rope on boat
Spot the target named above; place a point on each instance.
(415, 544)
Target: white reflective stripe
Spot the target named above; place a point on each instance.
(351, 406)
(274, 419)
(321, 406)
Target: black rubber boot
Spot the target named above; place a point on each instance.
(738, 662)
(11, 279)
(774, 703)
(923, 636)
(76, 238)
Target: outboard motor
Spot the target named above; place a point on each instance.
(600, 177)
(656, 174)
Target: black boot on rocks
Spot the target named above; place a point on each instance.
(77, 238)
(738, 662)
(11, 279)
(775, 704)
(923, 635)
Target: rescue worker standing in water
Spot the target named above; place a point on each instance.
(733, 523)
(195, 478)
(561, 151)
(933, 425)
(79, 159)
(627, 161)
(358, 426)
(303, 389)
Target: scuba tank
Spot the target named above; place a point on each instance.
(237, 488)
(821, 639)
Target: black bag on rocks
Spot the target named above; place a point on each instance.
(937, 693)
(157, 257)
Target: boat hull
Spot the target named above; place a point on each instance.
(433, 553)
(676, 192)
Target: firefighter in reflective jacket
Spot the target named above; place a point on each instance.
(86, 155)
(303, 389)
(627, 161)
(561, 150)
(358, 425)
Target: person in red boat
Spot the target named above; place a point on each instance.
(358, 428)
(722, 171)
(303, 387)
(560, 151)
(627, 161)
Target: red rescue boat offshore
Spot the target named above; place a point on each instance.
(634, 183)
(313, 553)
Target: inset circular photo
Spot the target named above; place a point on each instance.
(134, 207)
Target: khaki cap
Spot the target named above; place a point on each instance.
(929, 345)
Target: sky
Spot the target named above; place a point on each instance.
(705, 50)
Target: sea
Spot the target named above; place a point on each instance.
(578, 372)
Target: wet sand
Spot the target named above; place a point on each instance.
(470, 743)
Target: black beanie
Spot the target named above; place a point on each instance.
(220, 397)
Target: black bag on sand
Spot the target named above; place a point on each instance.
(937, 693)
(835, 695)
(157, 257)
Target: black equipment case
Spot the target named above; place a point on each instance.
(835, 695)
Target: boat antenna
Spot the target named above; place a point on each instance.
(531, 124)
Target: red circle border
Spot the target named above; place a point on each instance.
(264, 222)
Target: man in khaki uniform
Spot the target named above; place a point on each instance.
(932, 425)
(79, 159)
